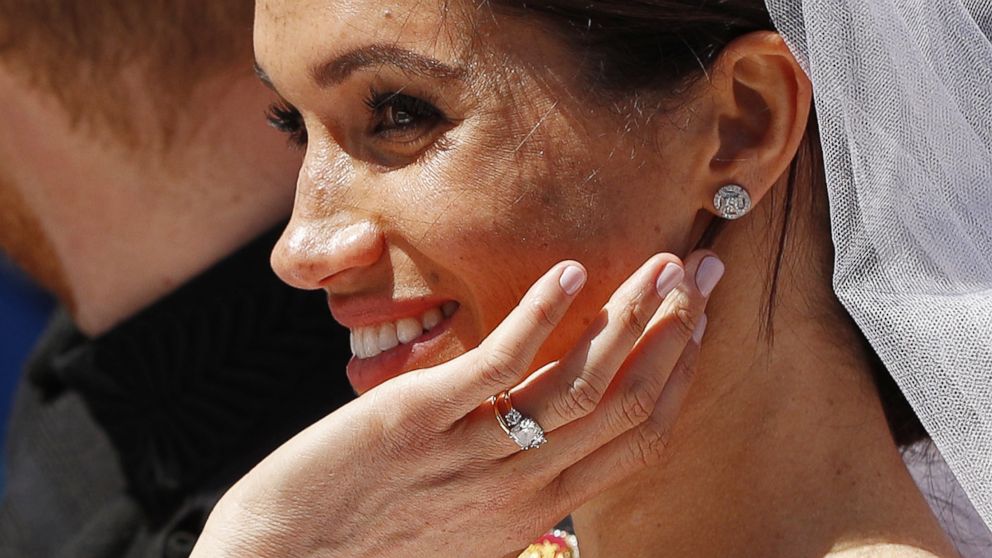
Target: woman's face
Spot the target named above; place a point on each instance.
(453, 156)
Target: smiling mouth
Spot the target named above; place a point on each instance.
(371, 341)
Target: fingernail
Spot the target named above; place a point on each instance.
(708, 274)
(669, 278)
(572, 279)
(697, 334)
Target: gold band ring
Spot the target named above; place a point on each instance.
(523, 430)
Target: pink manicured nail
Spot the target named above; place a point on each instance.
(669, 278)
(708, 274)
(572, 279)
(697, 334)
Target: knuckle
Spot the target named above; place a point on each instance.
(562, 490)
(579, 399)
(686, 319)
(635, 318)
(544, 313)
(402, 440)
(635, 406)
(685, 370)
(497, 366)
(649, 445)
(408, 434)
(423, 420)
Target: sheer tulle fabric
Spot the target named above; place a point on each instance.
(903, 91)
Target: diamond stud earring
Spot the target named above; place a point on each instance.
(732, 201)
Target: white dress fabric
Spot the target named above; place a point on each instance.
(903, 92)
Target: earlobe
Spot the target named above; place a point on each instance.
(761, 101)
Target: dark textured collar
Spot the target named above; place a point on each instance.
(205, 381)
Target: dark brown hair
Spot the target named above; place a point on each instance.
(662, 47)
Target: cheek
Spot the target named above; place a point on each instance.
(495, 219)
(490, 219)
(487, 228)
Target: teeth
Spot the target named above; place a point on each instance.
(448, 308)
(369, 341)
(408, 329)
(431, 318)
(387, 336)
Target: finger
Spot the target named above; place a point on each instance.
(641, 379)
(577, 383)
(624, 409)
(504, 358)
(662, 349)
(636, 449)
(649, 366)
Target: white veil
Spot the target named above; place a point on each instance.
(903, 91)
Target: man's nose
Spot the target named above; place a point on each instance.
(310, 254)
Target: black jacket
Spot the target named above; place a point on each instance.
(120, 446)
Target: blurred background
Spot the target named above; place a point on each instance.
(24, 309)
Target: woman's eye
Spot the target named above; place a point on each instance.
(401, 118)
(402, 121)
(285, 118)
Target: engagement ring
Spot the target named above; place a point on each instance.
(523, 430)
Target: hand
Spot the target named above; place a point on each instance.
(419, 466)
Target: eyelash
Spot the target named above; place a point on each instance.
(287, 119)
(420, 109)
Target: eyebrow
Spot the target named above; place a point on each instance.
(338, 69)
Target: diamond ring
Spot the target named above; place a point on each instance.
(523, 430)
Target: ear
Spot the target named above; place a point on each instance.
(761, 101)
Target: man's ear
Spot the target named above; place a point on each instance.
(761, 102)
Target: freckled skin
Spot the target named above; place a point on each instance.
(533, 172)
(530, 175)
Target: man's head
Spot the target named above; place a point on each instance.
(134, 151)
(78, 51)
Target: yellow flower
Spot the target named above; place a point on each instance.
(545, 550)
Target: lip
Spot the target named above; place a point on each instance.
(365, 374)
(354, 312)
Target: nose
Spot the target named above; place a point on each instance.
(311, 254)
